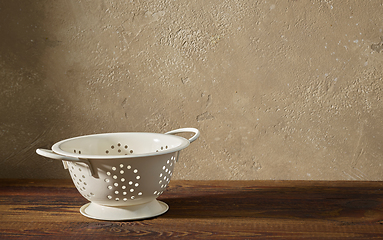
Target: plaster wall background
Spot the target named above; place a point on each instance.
(278, 89)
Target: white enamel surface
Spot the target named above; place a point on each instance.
(124, 182)
(120, 145)
(148, 210)
(121, 174)
(183, 130)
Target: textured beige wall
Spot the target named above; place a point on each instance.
(278, 89)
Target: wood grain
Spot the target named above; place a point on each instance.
(31, 209)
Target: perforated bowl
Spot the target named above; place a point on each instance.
(121, 174)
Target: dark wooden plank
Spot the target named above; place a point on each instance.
(203, 209)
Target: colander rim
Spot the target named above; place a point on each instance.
(56, 147)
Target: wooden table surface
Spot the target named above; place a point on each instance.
(202, 210)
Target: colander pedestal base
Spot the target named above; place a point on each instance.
(135, 212)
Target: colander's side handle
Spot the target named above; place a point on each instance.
(50, 154)
(183, 130)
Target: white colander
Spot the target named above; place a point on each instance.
(121, 174)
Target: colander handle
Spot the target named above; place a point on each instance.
(50, 154)
(183, 130)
